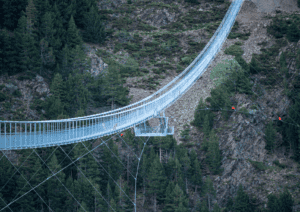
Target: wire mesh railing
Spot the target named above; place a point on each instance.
(34, 134)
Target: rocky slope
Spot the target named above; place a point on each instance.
(241, 138)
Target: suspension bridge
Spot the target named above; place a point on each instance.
(37, 134)
(15, 135)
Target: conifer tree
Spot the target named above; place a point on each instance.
(213, 153)
(47, 27)
(60, 33)
(273, 204)
(12, 187)
(93, 26)
(254, 65)
(39, 177)
(55, 190)
(82, 8)
(11, 13)
(293, 33)
(270, 137)
(83, 207)
(9, 56)
(199, 114)
(31, 14)
(157, 182)
(169, 206)
(113, 87)
(73, 37)
(196, 174)
(204, 207)
(242, 202)
(70, 201)
(21, 38)
(286, 201)
(180, 201)
(78, 95)
(209, 191)
(216, 208)
(186, 164)
(26, 202)
(206, 126)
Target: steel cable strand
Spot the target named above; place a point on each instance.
(32, 175)
(28, 184)
(106, 172)
(54, 175)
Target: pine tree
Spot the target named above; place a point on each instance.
(273, 204)
(94, 28)
(12, 187)
(47, 28)
(82, 8)
(270, 137)
(113, 87)
(9, 55)
(180, 201)
(26, 202)
(206, 126)
(69, 201)
(11, 13)
(213, 153)
(199, 114)
(242, 203)
(196, 174)
(83, 207)
(73, 37)
(169, 204)
(209, 191)
(293, 33)
(254, 65)
(157, 182)
(286, 201)
(59, 35)
(216, 208)
(78, 95)
(21, 38)
(39, 177)
(204, 207)
(186, 164)
(31, 14)
(55, 189)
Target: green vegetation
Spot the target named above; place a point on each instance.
(260, 166)
(276, 162)
(270, 137)
(2, 97)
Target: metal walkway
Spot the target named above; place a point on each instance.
(37, 134)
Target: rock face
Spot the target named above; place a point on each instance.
(97, 64)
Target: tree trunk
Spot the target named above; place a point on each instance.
(144, 191)
(154, 206)
(208, 202)
(160, 154)
(186, 186)
(127, 169)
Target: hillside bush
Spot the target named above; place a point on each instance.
(234, 50)
(2, 97)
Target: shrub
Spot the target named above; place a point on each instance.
(2, 97)
(1, 87)
(258, 165)
(17, 93)
(276, 162)
(234, 50)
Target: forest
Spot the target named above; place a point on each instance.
(46, 37)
